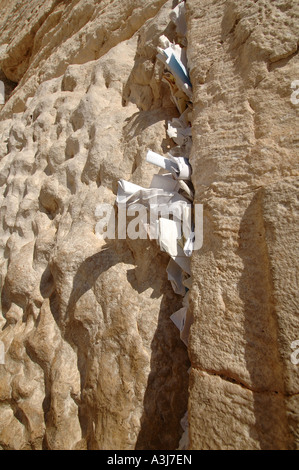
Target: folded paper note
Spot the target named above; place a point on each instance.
(185, 333)
(184, 441)
(173, 58)
(179, 318)
(189, 245)
(176, 278)
(182, 168)
(183, 261)
(183, 320)
(178, 132)
(141, 195)
(126, 188)
(165, 182)
(169, 233)
(188, 282)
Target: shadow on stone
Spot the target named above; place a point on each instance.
(262, 349)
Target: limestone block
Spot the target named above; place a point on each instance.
(92, 359)
(243, 60)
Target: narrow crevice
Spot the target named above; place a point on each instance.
(171, 186)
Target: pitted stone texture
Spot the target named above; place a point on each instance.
(42, 40)
(92, 359)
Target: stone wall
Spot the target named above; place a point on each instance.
(92, 359)
(244, 386)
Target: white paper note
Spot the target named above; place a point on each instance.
(169, 234)
(175, 276)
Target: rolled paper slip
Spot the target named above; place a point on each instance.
(160, 161)
(178, 166)
(126, 188)
(182, 168)
(188, 191)
(143, 196)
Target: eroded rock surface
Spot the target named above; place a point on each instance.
(92, 359)
(244, 386)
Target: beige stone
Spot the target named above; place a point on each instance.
(92, 359)
(245, 172)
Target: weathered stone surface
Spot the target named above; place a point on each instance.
(92, 359)
(42, 40)
(243, 58)
(228, 416)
